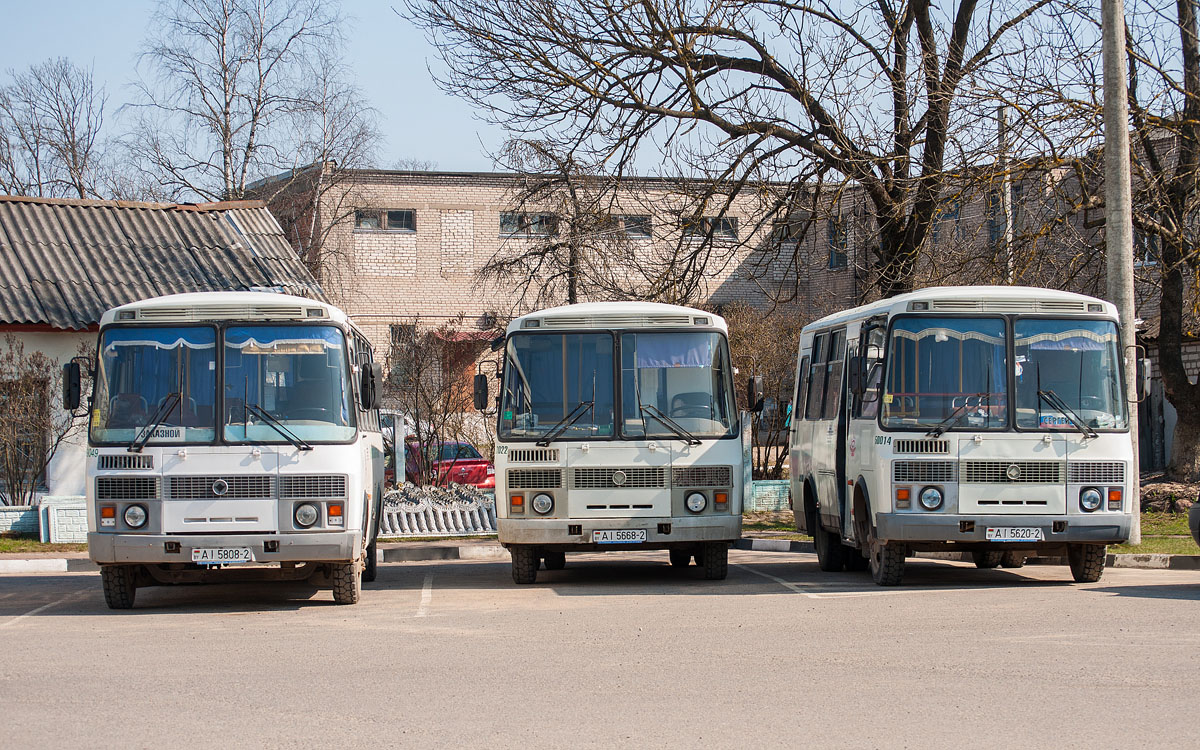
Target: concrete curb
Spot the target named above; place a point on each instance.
(773, 545)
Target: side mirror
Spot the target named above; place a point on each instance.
(1144, 377)
(370, 379)
(754, 393)
(481, 392)
(856, 378)
(71, 379)
(497, 343)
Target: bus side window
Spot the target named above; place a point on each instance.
(816, 378)
(833, 383)
(801, 391)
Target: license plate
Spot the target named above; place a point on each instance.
(1015, 534)
(618, 536)
(222, 555)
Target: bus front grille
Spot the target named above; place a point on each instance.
(534, 479)
(220, 487)
(1096, 472)
(126, 488)
(1012, 472)
(532, 455)
(125, 461)
(315, 486)
(701, 476)
(920, 472)
(921, 446)
(602, 478)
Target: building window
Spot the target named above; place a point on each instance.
(636, 227)
(946, 214)
(1145, 248)
(720, 227)
(528, 225)
(391, 219)
(839, 234)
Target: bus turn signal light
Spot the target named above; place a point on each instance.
(517, 503)
(721, 498)
(903, 497)
(335, 514)
(1114, 498)
(108, 515)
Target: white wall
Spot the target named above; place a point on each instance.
(65, 475)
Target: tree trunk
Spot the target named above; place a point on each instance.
(1185, 452)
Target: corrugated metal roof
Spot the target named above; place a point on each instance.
(64, 262)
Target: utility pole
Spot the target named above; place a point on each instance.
(1118, 223)
(1005, 195)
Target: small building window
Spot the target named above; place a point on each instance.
(720, 227)
(366, 220)
(839, 234)
(528, 225)
(403, 220)
(636, 227)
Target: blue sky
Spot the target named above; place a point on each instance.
(388, 57)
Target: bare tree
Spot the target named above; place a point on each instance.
(226, 81)
(881, 95)
(50, 120)
(33, 429)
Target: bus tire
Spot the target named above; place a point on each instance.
(716, 560)
(120, 585)
(1012, 560)
(1087, 561)
(525, 563)
(347, 582)
(555, 559)
(371, 564)
(855, 560)
(680, 558)
(831, 555)
(988, 559)
(887, 563)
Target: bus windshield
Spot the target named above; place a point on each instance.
(1076, 361)
(547, 379)
(296, 375)
(682, 377)
(138, 371)
(942, 368)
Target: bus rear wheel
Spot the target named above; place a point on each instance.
(120, 585)
(716, 560)
(887, 563)
(1012, 560)
(371, 565)
(987, 559)
(680, 558)
(1086, 561)
(347, 583)
(525, 562)
(855, 560)
(831, 555)
(555, 559)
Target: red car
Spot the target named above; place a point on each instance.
(452, 462)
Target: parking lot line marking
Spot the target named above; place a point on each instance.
(42, 608)
(786, 584)
(426, 596)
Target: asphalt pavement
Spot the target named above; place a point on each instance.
(616, 650)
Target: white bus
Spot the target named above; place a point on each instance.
(618, 430)
(231, 436)
(988, 420)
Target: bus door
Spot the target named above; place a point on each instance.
(824, 401)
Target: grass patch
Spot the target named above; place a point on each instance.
(25, 544)
(1158, 545)
(1155, 523)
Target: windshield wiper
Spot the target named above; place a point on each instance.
(670, 424)
(572, 417)
(1056, 402)
(165, 408)
(276, 425)
(954, 416)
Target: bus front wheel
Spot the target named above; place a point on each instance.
(120, 585)
(525, 563)
(716, 560)
(1087, 561)
(887, 563)
(347, 583)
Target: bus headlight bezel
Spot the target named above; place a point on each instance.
(1085, 496)
(306, 508)
(931, 498)
(542, 503)
(135, 508)
(695, 502)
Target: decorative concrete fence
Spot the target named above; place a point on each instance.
(456, 510)
(768, 494)
(57, 519)
(18, 519)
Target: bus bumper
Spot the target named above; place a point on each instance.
(1056, 530)
(150, 549)
(661, 533)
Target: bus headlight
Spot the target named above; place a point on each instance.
(1090, 499)
(542, 503)
(135, 516)
(696, 502)
(306, 515)
(931, 498)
